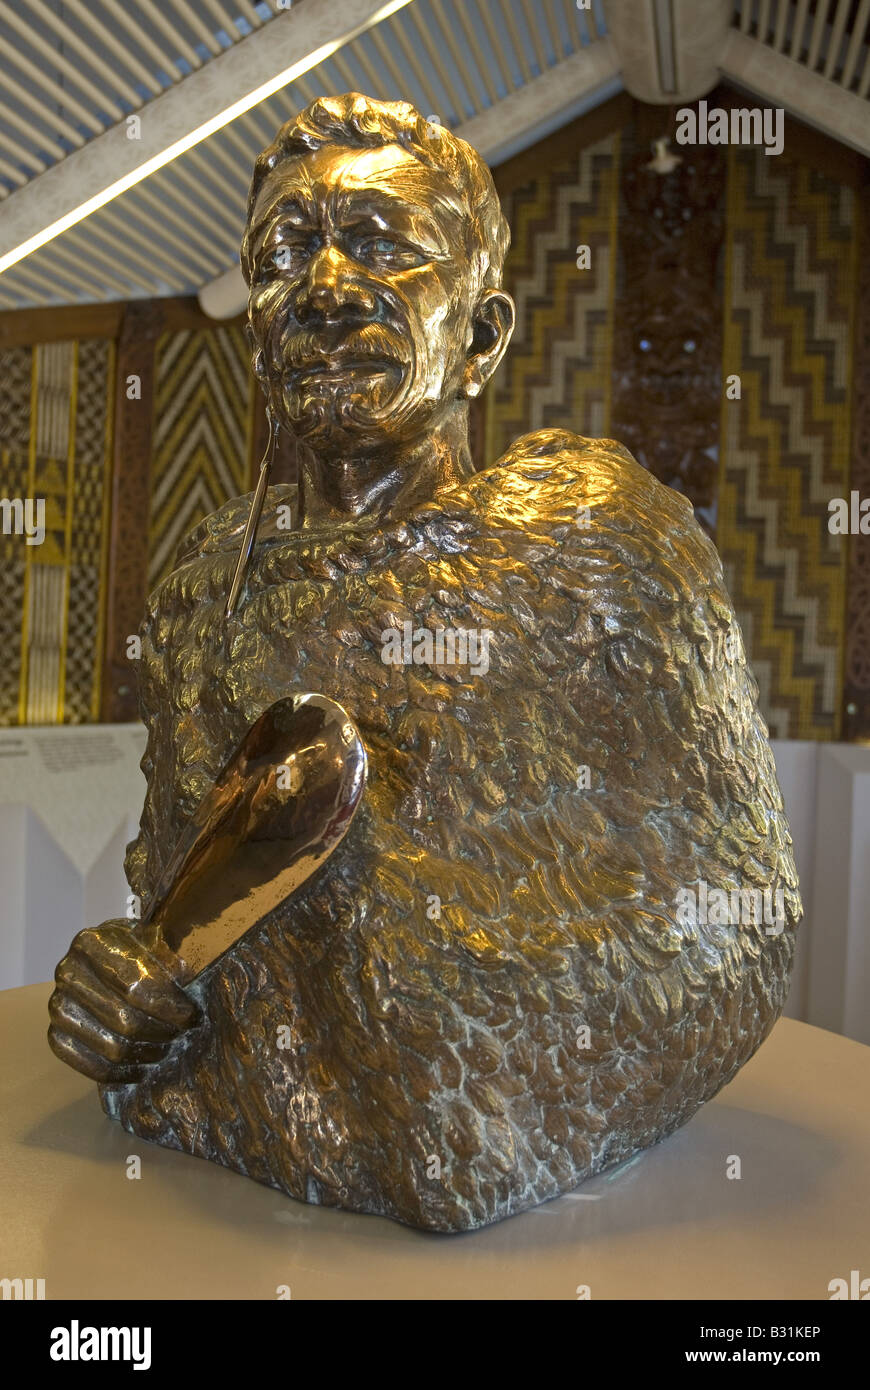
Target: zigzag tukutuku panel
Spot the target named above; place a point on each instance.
(786, 441)
(87, 555)
(202, 424)
(54, 436)
(16, 366)
(557, 369)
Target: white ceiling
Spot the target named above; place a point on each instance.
(502, 72)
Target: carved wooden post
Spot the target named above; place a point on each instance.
(856, 670)
(131, 494)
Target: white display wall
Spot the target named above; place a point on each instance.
(70, 800)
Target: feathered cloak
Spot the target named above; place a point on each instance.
(489, 992)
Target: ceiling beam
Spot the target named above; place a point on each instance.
(313, 29)
(780, 81)
(562, 92)
(669, 50)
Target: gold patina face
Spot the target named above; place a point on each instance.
(361, 295)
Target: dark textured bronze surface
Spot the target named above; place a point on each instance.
(493, 988)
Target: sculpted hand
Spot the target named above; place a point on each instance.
(118, 1004)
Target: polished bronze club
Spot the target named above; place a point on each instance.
(506, 962)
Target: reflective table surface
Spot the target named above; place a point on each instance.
(671, 1224)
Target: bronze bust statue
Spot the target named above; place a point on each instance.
(548, 934)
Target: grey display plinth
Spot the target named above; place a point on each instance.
(671, 1224)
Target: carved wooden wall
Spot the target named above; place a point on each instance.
(83, 415)
(731, 358)
(667, 357)
(856, 675)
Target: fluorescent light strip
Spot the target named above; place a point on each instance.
(187, 142)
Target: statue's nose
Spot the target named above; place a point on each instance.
(332, 290)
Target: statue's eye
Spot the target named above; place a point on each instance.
(287, 256)
(386, 251)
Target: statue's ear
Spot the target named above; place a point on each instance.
(258, 366)
(493, 323)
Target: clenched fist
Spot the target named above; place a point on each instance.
(118, 1004)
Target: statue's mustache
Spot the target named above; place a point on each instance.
(308, 347)
(305, 361)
